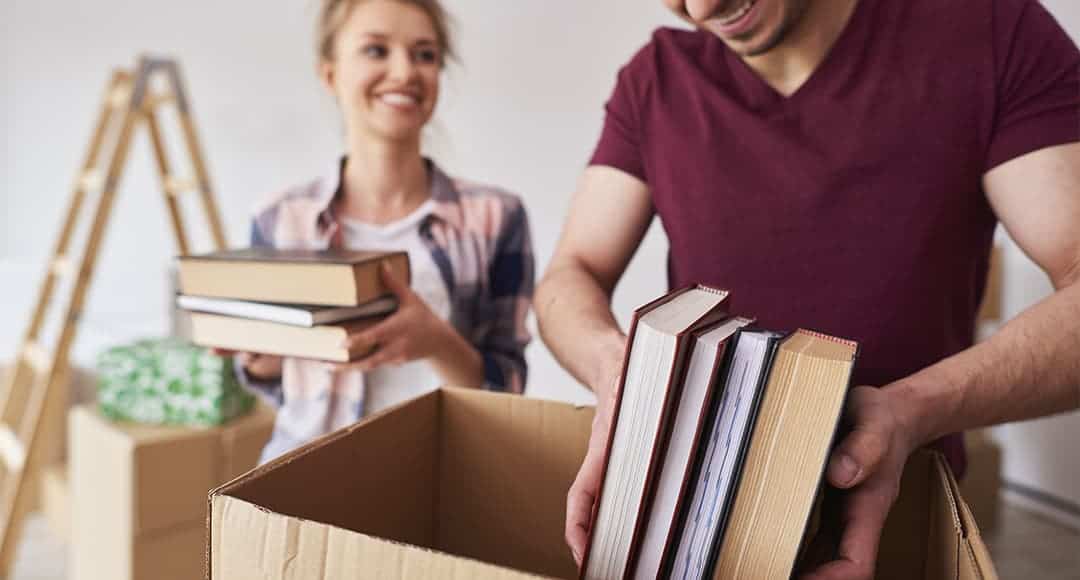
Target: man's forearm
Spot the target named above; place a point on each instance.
(576, 323)
(1030, 368)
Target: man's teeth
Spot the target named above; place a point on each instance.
(400, 99)
(738, 13)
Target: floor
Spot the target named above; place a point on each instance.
(1026, 546)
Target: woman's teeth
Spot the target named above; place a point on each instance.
(400, 99)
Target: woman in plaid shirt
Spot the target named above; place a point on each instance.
(462, 321)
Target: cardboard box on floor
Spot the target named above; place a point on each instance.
(138, 492)
(466, 484)
(56, 500)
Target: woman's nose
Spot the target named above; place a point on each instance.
(402, 67)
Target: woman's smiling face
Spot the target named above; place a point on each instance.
(385, 70)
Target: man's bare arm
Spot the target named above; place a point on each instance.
(1030, 368)
(608, 217)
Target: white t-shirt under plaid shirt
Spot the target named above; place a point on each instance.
(477, 238)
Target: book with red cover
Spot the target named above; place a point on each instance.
(658, 343)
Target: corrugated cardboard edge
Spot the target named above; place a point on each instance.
(224, 489)
(974, 558)
(413, 561)
(305, 544)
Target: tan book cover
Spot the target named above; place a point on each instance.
(241, 334)
(316, 277)
(792, 437)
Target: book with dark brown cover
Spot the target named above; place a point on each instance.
(314, 277)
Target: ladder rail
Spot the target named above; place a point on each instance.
(24, 370)
(33, 403)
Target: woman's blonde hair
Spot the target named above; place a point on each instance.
(334, 13)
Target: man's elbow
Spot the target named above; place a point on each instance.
(1069, 276)
(544, 298)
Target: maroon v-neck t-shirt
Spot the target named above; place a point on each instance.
(855, 206)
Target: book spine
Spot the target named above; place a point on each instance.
(744, 449)
(830, 338)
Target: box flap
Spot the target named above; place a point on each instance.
(974, 557)
(250, 543)
(930, 532)
(506, 464)
(357, 478)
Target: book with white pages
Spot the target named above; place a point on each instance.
(292, 314)
(657, 348)
(699, 387)
(718, 466)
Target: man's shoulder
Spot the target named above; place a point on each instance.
(666, 44)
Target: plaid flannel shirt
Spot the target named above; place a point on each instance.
(479, 239)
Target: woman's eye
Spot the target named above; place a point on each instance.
(427, 55)
(374, 51)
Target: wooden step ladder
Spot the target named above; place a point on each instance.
(33, 399)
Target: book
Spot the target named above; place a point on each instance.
(316, 277)
(799, 414)
(293, 314)
(718, 465)
(699, 385)
(660, 334)
(241, 334)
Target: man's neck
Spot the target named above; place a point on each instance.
(791, 63)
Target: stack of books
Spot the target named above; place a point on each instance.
(297, 303)
(721, 435)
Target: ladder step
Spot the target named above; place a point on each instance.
(36, 355)
(62, 266)
(92, 179)
(154, 101)
(12, 451)
(177, 187)
(121, 95)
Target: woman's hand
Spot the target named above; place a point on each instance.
(261, 367)
(412, 333)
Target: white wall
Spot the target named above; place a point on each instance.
(523, 112)
(7, 53)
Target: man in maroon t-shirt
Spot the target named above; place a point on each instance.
(841, 165)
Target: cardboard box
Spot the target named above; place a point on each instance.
(56, 500)
(982, 484)
(138, 492)
(468, 484)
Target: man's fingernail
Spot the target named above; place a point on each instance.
(577, 556)
(846, 470)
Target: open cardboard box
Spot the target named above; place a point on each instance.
(467, 484)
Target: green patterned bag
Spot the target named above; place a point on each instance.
(171, 382)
